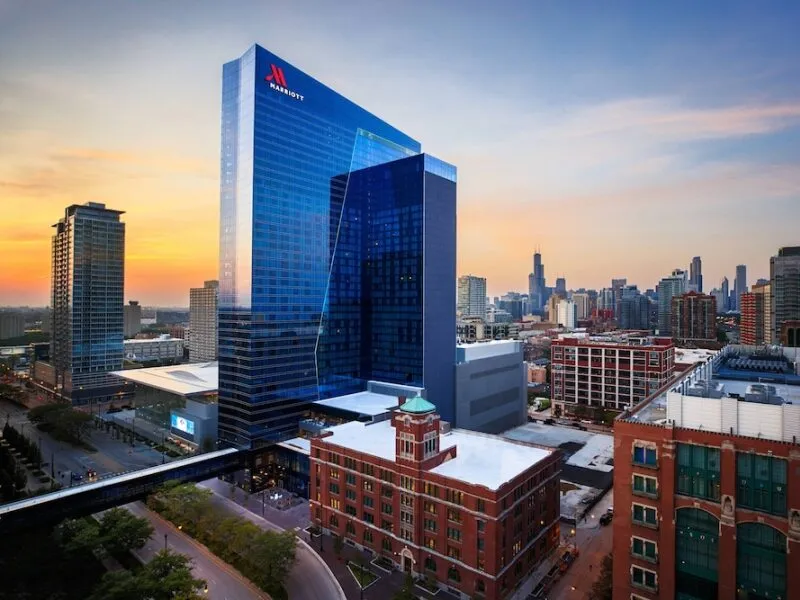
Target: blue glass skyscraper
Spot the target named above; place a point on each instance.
(290, 149)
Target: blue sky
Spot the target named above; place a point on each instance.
(622, 138)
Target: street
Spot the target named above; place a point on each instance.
(310, 578)
(112, 456)
(594, 541)
(224, 582)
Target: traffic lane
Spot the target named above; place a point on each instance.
(309, 579)
(224, 582)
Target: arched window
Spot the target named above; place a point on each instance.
(761, 560)
(696, 554)
(453, 574)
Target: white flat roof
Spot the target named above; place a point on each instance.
(596, 448)
(693, 355)
(481, 459)
(152, 340)
(193, 378)
(298, 444)
(478, 350)
(363, 403)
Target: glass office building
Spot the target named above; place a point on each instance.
(88, 280)
(293, 151)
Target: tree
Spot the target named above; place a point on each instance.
(64, 422)
(167, 577)
(407, 591)
(602, 589)
(78, 535)
(273, 555)
(121, 531)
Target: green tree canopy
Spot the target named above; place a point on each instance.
(167, 577)
(78, 535)
(122, 531)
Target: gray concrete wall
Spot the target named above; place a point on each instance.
(491, 393)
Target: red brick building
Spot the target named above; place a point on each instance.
(608, 372)
(706, 492)
(476, 512)
(694, 317)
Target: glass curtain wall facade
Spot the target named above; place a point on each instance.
(87, 288)
(387, 317)
(289, 145)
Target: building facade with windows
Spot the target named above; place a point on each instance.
(785, 289)
(471, 301)
(475, 512)
(334, 229)
(694, 317)
(755, 326)
(674, 285)
(132, 314)
(608, 372)
(88, 280)
(706, 506)
(203, 304)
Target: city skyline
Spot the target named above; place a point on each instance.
(625, 126)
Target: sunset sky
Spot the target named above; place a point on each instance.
(620, 138)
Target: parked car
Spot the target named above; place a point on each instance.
(607, 517)
(549, 421)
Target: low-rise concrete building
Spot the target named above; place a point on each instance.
(491, 381)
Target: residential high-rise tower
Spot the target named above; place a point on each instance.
(675, 285)
(785, 288)
(472, 296)
(88, 280)
(694, 317)
(203, 304)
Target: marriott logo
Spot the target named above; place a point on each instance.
(277, 82)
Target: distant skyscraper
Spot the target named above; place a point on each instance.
(581, 300)
(720, 299)
(696, 275)
(567, 314)
(755, 326)
(634, 309)
(88, 279)
(674, 285)
(561, 286)
(616, 288)
(693, 317)
(132, 313)
(726, 294)
(605, 299)
(337, 253)
(740, 284)
(536, 284)
(472, 296)
(784, 272)
(203, 327)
